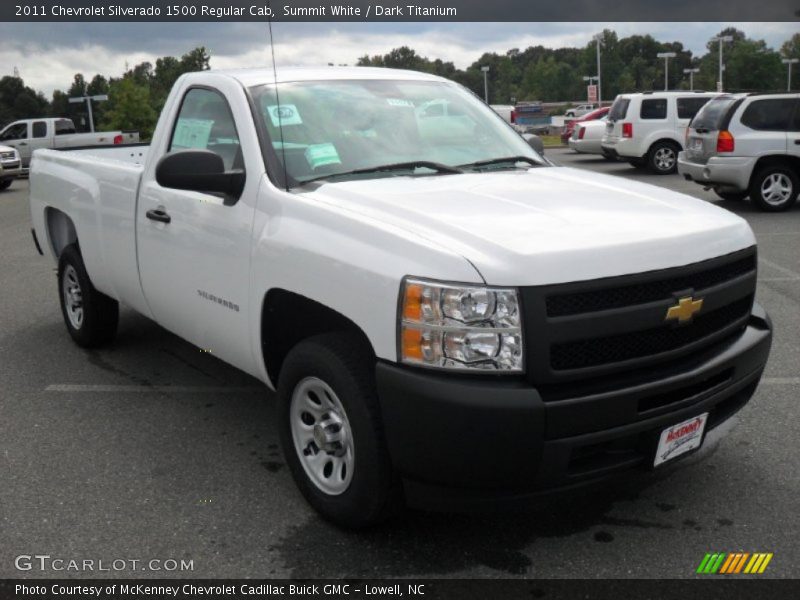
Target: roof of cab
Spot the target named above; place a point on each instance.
(265, 75)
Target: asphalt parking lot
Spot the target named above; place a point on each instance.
(100, 460)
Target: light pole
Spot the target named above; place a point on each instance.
(666, 56)
(485, 85)
(720, 39)
(88, 100)
(789, 62)
(598, 38)
(691, 73)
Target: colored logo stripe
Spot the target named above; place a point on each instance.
(727, 564)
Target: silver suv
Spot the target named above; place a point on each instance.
(746, 145)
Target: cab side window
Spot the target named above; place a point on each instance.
(654, 109)
(769, 115)
(689, 107)
(39, 129)
(15, 132)
(205, 122)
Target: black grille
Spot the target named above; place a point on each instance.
(614, 349)
(591, 301)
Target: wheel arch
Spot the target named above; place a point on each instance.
(770, 160)
(287, 318)
(61, 231)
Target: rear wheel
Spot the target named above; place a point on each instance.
(5, 184)
(90, 316)
(331, 433)
(774, 188)
(663, 158)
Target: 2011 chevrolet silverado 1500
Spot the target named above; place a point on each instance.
(447, 317)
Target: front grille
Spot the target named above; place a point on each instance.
(618, 297)
(619, 348)
(591, 331)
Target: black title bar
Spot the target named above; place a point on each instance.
(399, 10)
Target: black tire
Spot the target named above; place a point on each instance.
(662, 159)
(731, 196)
(343, 362)
(638, 163)
(99, 313)
(5, 184)
(761, 180)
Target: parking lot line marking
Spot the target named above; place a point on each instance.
(146, 389)
(777, 267)
(781, 381)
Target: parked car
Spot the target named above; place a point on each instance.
(10, 166)
(569, 126)
(588, 136)
(580, 110)
(747, 145)
(28, 135)
(648, 129)
(448, 319)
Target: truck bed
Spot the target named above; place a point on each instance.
(96, 188)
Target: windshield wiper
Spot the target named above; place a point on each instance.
(402, 166)
(505, 159)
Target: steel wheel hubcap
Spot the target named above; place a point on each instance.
(73, 297)
(322, 436)
(776, 188)
(665, 158)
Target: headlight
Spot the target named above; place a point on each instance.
(460, 326)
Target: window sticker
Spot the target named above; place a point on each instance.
(319, 155)
(284, 114)
(192, 133)
(400, 102)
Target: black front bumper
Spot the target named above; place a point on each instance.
(469, 440)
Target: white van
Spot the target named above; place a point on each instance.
(648, 129)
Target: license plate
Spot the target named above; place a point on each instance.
(696, 145)
(680, 438)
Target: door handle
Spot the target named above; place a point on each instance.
(159, 215)
(23, 143)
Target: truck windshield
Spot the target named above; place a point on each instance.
(349, 129)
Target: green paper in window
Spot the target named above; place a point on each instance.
(322, 154)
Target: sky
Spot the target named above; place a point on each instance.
(47, 55)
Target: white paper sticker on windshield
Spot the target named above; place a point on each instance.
(192, 133)
(400, 102)
(284, 114)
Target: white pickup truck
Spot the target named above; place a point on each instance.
(448, 319)
(29, 135)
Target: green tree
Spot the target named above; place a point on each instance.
(129, 108)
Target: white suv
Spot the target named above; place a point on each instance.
(580, 110)
(747, 145)
(648, 129)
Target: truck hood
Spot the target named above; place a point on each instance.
(548, 225)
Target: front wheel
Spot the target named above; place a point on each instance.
(5, 184)
(663, 158)
(331, 433)
(775, 188)
(90, 316)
